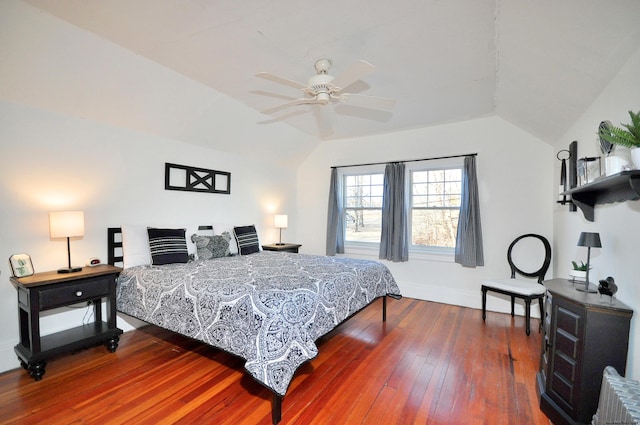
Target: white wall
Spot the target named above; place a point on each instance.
(87, 125)
(618, 224)
(53, 163)
(514, 172)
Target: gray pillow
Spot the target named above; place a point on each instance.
(212, 246)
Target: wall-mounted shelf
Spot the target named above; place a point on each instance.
(624, 186)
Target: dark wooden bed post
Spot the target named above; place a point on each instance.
(384, 308)
(276, 409)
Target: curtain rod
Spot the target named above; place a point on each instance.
(410, 160)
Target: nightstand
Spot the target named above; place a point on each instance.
(49, 290)
(285, 247)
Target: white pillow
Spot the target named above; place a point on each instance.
(135, 245)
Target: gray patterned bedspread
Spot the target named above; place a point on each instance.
(268, 308)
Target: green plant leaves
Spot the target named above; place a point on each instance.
(629, 136)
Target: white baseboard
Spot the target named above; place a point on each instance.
(8, 357)
(465, 298)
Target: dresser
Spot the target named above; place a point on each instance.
(49, 290)
(582, 334)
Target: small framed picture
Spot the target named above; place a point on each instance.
(21, 265)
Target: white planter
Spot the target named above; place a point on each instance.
(614, 164)
(578, 275)
(635, 157)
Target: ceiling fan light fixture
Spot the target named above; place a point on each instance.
(323, 98)
(322, 66)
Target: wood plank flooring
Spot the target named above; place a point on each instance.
(428, 364)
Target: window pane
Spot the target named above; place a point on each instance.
(435, 203)
(434, 227)
(453, 174)
(420, 176)
(363, 225)
(363, 205)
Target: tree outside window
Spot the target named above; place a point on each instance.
(363, 207)
(435, 207)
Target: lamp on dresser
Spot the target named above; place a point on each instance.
(66, 224)
(590, 240)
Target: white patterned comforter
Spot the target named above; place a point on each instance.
(268, 308)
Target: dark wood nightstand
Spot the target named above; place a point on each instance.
(285, 247)
(49, 290)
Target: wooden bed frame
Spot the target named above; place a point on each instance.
(115, 255)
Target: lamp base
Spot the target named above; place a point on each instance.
(280, 243)
(586, 288)
(70, 270)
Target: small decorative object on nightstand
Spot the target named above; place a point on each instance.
(21, 265)
(285, 247)
(49, 290)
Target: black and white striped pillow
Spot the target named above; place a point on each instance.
(167, 246)
(247, 239)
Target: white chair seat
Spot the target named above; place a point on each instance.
(521, 287)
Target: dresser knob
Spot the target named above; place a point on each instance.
(78, 293)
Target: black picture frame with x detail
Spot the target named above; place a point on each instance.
(196, 179)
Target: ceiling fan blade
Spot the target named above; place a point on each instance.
(281, 80)
(283, 117)
(275, 95)
(373, 102)
(353, 74)
(303, 101)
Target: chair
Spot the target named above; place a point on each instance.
(518, 288)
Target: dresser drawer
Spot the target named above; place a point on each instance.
(74, 292)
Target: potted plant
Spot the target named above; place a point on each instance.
(629, 136)
(578, 272)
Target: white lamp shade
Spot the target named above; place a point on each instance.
(66, 224)
(281, 221)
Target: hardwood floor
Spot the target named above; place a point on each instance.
(428, 364)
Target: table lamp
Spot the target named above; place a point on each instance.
(66, 224)
(590, 240)
(280, 221)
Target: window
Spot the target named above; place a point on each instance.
(363, 207)
(435, 196)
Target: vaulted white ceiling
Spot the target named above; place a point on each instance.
(538, 64)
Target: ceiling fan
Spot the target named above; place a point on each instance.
(323, 88)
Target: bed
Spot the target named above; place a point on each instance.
(268, 308)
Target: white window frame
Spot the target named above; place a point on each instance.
(421, 251)
(359, 247)
(417, 252)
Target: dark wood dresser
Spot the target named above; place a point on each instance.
(583, 333)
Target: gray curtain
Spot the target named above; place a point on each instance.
(335, 218)
(469, 251)
(394, 243)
